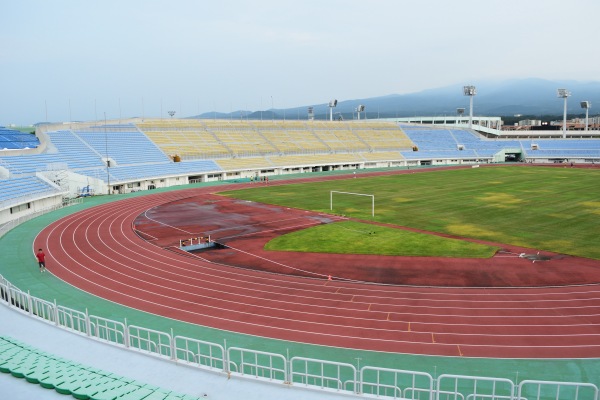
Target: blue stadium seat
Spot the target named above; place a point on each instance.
(13, 189)
(126, 145)
(11, 139)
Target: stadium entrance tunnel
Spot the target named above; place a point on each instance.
(513, 157)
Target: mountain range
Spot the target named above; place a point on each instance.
(531, 97)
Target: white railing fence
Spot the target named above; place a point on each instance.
(396, 384)
(368, 381)
(531, 389)
(257, 364)
(7, 226)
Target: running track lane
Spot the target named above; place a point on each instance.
(98, 251)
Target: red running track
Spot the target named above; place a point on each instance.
(98, 251)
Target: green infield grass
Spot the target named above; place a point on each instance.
(350, 237)
(544, 208)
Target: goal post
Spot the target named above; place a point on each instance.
(331, 192)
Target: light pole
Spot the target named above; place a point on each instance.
(460, 111)
(360, 109)
(586, 105)
(332, 104)
(470, 91)
(564, 94)
(106, 151)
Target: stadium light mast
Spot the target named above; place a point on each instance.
(564, 94)
(107, 160)
(332, 104)
(470, 91)
(586, 105)
(460, 111)
(360, 109)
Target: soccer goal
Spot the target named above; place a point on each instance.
(351, 201)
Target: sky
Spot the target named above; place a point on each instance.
(75, 60)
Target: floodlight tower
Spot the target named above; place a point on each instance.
(470, 91)
(360, 109)
(564, 94)
(586, 105)
(332, 104)
(107, 159)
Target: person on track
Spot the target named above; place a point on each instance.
(41, 257)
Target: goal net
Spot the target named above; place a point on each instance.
(355, 204)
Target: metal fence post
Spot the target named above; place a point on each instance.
(126, 334)
(288, 378)
(55, 313)
(226, 359)
(88, 323)
(29, 303)
(172, 346)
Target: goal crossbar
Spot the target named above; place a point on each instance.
(331, 192)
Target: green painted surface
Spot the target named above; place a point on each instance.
(18, 265)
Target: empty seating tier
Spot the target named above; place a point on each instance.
(125, 145)
(444, 143)
(67, 377)
(223, 139)
(29, 186)
(67, 151)
(233, 164)
(13, 140)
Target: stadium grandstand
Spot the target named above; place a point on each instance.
(80, 159)
(11, 139)
(62, 163)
